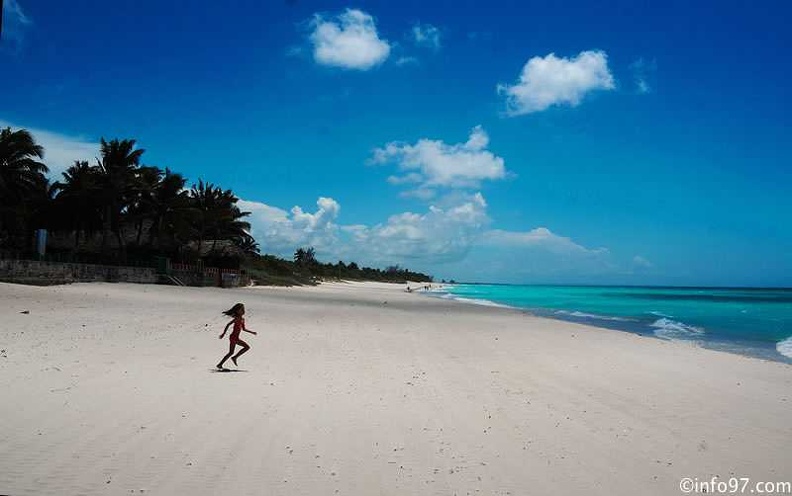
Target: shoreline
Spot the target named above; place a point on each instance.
(762, 350)
(362, 388)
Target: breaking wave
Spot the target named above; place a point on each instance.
(672, 329)
(785, 347)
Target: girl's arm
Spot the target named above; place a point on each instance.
(226, 329)
(248, 330)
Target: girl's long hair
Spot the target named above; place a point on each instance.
(234, 311)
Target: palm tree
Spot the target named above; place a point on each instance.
(217, 215)
(19, 171)
(21, 176)
(141, 207)
(172, 213)
(299, 256)
(305, 259)
(248, 245)
(77, 205)
(230, 225)
(117, 169)
(204, 198)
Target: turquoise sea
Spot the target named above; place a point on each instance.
(755, 322)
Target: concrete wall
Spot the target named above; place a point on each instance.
(211, 278)
(47, 273)
(192, 278)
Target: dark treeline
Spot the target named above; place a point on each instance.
(118, 210)
(305, 269)
(113, 210)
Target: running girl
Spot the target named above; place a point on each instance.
(237, 312)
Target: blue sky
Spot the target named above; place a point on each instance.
(538, 142)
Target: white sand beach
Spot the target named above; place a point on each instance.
(364, 389)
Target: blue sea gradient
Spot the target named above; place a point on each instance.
(754, 322)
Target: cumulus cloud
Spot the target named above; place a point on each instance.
(15, 24)
(281, 232)
(550, 80)
(447, 234)
(439, 234)
(433, 163)
(426, 35)
(453, 235)
(60, 151)
(349, 40)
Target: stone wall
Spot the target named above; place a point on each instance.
(47, 273)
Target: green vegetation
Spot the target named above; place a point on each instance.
(119, 211)
(305, 269)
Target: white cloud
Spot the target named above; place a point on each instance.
(640, 262)
(326, 213)
(642, 71)
(550, 80)
(538, 255)
(452, 235)
(15, 24)
(349, 41)
(447, 234)
(60, 151)
(426, 35)
(433, 163)
(440, 234)
(423, 194)
(540, 237)
(281, 232)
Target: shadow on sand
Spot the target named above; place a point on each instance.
(225, 371)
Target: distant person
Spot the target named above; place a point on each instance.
(238, 313)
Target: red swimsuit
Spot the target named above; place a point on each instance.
(239, 324)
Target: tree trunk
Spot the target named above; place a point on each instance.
(106, 227)
(139, 232)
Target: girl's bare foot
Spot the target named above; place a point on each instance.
(233, 359)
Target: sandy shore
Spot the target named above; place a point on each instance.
(364, 389)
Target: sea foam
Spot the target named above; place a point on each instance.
(785, 347)
(477, 301)
(660, 314)
(591, 316)
(671, 329)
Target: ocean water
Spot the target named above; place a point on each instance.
(754, 322)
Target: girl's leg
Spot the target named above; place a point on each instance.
(231, 347)
(244, 346)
